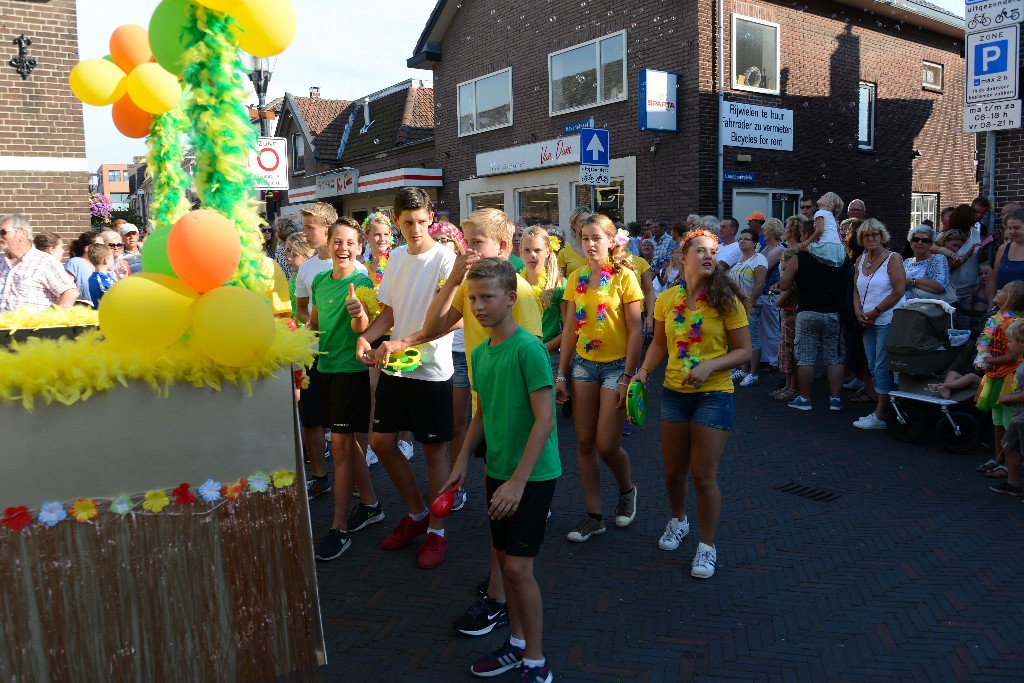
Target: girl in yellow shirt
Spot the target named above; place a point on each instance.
(702, 325)
(601, 348)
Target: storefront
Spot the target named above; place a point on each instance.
(358, 195)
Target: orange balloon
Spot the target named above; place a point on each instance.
(131, 121)
(204, 249)
(129, 47)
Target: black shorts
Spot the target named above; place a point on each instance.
(346, 401)
(416, 405)
(521, 534)
(311, 405)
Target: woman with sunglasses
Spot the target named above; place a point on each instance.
(120, 268)
(927, 273)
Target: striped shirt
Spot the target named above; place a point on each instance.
(35, 281)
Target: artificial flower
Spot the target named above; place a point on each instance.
(259, 482)
(621, 237)
(84, 509)
(51, 513)
(233, 490)
(282, 478)
(16, 518)
(155, 501)
(687, 329)
(601, 312)
(210, 490)
(182, 495)
(121, 505)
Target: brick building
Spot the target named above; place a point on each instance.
(869, 102)
(355, 154)
(43, 170)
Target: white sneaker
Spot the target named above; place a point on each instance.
(854, 384)
(738, 374)
(750, 380)
(371, 457)
(871, 421)
(406, 449)
(675, 531)
(703, 566)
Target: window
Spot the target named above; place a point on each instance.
(485, 103)
(538, 205)
(298, 153)
(923, 206)
(603, 199)
(114, 176)
(755, 55)
(932, 76)
(490, 200)
(119, 199)
(866, 116)
(587, 75)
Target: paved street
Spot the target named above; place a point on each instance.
(905, 574)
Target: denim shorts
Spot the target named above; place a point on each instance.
(712, 409)
(607, 374)
(460, 380)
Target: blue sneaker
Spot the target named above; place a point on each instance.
(536, 674)
(333, 545)
(498, 662)
(800, 403)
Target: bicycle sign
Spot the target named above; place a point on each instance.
(983, 14)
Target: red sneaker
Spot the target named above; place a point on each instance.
(407, 530)
(431, 553)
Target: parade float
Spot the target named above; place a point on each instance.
(154, 524)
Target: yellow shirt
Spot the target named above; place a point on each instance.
(569, 260)
(641, 266)
(714, 340)
(624, 288)
(526, 311)
(277, 293)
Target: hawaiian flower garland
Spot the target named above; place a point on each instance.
(601, 312)
(985, 338)
(542, 282)
(84, 509)
(378, 270)
(688, 329)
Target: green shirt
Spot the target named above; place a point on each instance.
(552, 320)
(291, 295)
(337, 340)
(516, 261)
(504, 376)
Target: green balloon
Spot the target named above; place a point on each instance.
(108, 58)
(167, 34)
(154, 253)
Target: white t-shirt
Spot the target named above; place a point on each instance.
(743, 273)
(408, 286)
(831, 232)
(729, 254)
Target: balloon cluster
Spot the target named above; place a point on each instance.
(140, 75)
(182, 288)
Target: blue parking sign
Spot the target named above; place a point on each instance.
(990, 58)
(991, 72)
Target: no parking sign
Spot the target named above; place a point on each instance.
(269, 163)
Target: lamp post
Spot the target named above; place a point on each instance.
(260, 77)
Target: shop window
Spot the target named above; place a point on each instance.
(587, 75)
(923, 205)
(603, 199)
(489, 200)
(866, 116)
(755, 55)
(298, 153)
(538, 205)
(485, 103)
(114, 176)
(932, 76)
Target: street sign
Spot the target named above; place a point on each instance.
(979, 118)
(984, 14)
(594, 175)
(754, 127)
(269, 163)
(577, 126)
(594, 157)
(737, 177)
(992, 69)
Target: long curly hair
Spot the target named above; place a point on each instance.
(618, 254)
(721, 291)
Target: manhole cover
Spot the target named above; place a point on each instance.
(809, 492)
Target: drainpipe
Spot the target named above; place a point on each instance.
(990, 177)
(721, 109)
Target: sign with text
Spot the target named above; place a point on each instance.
(983, 14)
(754, 127)
(991, 67)
(269, 163)
(594, 156)
(577, 126)
(594, 175)
(337, 183)
(658, 101)
(545, 154)
(737, 176)
(979, 118)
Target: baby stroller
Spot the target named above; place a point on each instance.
(922, 346)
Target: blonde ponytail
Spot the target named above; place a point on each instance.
(553, 276)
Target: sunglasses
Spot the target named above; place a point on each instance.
(117, 245)
(268, 231)
(925, 240)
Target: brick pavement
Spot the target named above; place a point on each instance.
(904, 577)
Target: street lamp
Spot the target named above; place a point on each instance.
(260, 76)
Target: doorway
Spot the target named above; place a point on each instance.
(773, 203)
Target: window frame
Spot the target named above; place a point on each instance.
(517, 192)
(599, 102)
(869, 145)
(941, 87)
(778, 55)
(473, 195)
(110, 175)
(476, 114)
(922, 196)
(297, 167)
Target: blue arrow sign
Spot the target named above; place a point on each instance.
(594, 147)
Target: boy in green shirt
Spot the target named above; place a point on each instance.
(512, 377)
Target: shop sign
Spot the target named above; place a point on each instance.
(658, 100)
(337, 183)
(753, 127)
(545, 154)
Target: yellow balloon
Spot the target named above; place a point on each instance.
(98, 82)
(219, 5)
(265, 27)
(233, 326)
(153, 89)
(147, 310)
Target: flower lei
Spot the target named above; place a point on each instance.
(688, 330)
(542, 282)
(601, 314)
(985, 338)
(378, 271)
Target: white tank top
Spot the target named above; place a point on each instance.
(873, 288)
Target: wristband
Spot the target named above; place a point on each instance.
(623, 384)
(644, 369)
(561, 379)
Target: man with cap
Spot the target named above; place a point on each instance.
(131, 252)
(755, 222)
